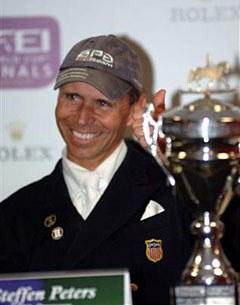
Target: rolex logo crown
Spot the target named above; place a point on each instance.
(16, 130)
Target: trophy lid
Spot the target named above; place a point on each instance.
(204, 118)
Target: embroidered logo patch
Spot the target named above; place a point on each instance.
(154, 251)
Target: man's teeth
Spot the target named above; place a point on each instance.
(84, 136)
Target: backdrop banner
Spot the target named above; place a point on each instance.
(171, 37)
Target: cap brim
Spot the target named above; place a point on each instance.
(109, 85)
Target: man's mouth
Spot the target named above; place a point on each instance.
(85, 136)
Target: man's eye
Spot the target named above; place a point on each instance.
(72, 96)
(103, 103)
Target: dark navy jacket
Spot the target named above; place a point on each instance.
(113, 236)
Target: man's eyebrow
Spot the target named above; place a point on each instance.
(68, 91)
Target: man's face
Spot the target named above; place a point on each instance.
(91, 125)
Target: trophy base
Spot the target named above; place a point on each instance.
(205, 295)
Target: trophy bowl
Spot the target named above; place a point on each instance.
(201, 155)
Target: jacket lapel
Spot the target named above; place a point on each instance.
(55, 200)
(124, 199)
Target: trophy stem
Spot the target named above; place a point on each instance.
(208, 264)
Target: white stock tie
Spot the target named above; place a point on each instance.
(91, 192)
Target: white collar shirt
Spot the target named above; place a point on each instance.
(75, 177)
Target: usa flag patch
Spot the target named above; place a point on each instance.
(154, 251)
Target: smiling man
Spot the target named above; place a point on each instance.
(106, 204)
(91, 124)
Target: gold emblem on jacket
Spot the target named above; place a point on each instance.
(50, 220)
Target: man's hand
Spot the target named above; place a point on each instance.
(137, 123)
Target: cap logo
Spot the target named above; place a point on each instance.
(96, 56)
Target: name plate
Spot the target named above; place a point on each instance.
(69, 288)
(209, 295)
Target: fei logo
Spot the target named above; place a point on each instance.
(29, 51)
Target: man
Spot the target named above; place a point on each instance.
(129, 218)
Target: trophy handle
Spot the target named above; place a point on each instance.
(152, 140)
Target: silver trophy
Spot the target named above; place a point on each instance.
(200, 153)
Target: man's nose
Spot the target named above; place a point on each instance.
(85, 114)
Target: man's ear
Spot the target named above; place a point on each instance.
(130, 116)
(138, 106)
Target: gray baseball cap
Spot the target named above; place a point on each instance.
(106, 62)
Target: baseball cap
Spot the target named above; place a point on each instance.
(106, 62)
